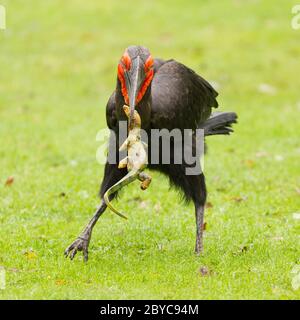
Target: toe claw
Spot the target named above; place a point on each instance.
(72, 255)
(85, 256)
(80, 244)
(67, 251)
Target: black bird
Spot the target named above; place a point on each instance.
(167, 95)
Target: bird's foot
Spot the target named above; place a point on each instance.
(80, 244)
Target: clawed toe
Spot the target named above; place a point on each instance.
(80, 244)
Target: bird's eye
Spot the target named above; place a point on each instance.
(149, 63)
(126, 61)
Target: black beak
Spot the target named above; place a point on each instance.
(134, 79)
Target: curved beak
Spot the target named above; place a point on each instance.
(134, 79)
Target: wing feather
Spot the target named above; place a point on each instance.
(180, 98)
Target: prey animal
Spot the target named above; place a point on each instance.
(136, 160)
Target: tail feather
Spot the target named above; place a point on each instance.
(219, 123)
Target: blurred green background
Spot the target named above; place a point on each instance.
(58, 62)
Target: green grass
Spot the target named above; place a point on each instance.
(57, 69)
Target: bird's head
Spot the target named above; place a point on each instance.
(135, 73)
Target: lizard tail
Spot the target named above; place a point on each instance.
(130, 177)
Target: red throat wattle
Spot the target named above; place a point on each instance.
(125, 65)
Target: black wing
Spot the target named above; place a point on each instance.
(180, 98)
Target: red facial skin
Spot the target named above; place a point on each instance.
(125, 65)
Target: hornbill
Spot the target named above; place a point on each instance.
(167, 95)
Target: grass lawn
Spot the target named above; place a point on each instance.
(58, 64)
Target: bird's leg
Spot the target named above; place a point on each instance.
(199, 210)
(146, 180)
(83, 241)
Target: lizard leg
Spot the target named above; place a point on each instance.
(126, 110)
(146, 180)
(124, 146)
(123, 163)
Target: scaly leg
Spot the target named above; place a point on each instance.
(199, 211)
(82, 242)
(111, 175)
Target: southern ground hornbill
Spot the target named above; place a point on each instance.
(169, 95)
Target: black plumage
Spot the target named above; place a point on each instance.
(176, 98)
